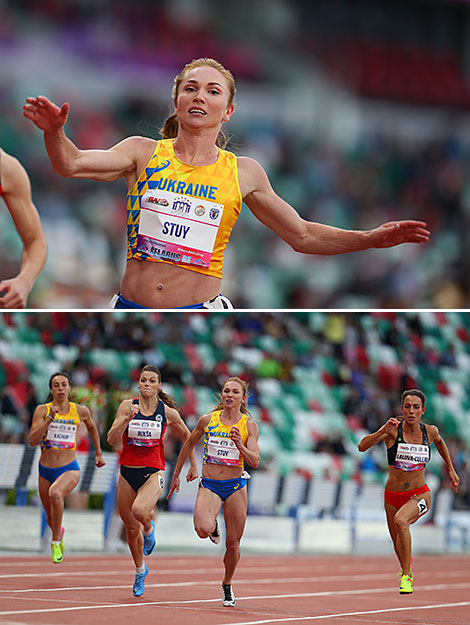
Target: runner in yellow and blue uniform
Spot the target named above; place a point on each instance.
(185, 195)
(230, 440)
(54, 427)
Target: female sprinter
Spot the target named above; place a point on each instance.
(407, 496)
(141, 424)
(185, 194)
(230, 438)
(55, 426)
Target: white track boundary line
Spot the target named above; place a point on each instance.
(321, 616)
(256, 597)
(277, 580)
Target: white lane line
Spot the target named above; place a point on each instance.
(275, 580)
(239, 582)
(164, 573)
(127, 566)
(342, 614)
(363, 591)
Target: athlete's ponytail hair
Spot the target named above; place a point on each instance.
(244, 404)
(169, 129)
(65, 374)
(166, 399)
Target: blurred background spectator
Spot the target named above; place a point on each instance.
(358, 111)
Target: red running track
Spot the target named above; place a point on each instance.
(185, 590)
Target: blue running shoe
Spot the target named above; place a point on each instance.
(149, 541)
(139, 584)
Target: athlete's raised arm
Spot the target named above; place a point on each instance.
(68, 160)
(311, 237)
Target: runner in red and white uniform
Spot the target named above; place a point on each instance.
(141, 424)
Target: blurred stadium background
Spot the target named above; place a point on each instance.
(318, 383)
(357, 109)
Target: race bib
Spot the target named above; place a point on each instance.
(145, 433)
(222, 451)
(178, 228)
(411, 457)
(61, 435)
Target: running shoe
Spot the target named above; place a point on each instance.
(406, 584)
(215, 536)
(149, 541)
(57, 553)
(62, 546)
(228, 598)
(139, 583)
(401, 572)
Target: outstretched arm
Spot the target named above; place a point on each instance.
(174, 418)
(17, 194)
(186, 450)
(445, 455)
(85, 416)
(382, 434)
(310, 237)
(68, 160)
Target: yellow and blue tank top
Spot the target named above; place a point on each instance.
(183, 214)
(62, 432)
(218, 446)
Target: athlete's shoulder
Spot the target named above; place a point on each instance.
(82, 411)
(432, 431)
(252, 427)
(206, 418)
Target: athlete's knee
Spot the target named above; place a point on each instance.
(401, 524)
(140, 513)
(232, 545)
(133, 531)
(203, 527)
(55, 496)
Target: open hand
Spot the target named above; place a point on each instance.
(45, 114)
(397, 232)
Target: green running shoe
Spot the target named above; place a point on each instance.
(62, 546)
(57, 553)
(406, 584)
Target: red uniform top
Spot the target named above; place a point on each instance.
(143, 439)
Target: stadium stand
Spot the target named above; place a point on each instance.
(311, 411)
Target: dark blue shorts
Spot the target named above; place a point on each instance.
(52, 473)
(217, 302)
(223, 488)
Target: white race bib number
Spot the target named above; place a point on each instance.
(222, 451)
(411, 457)
(178, 228)
(144, 432)
(61, 435)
